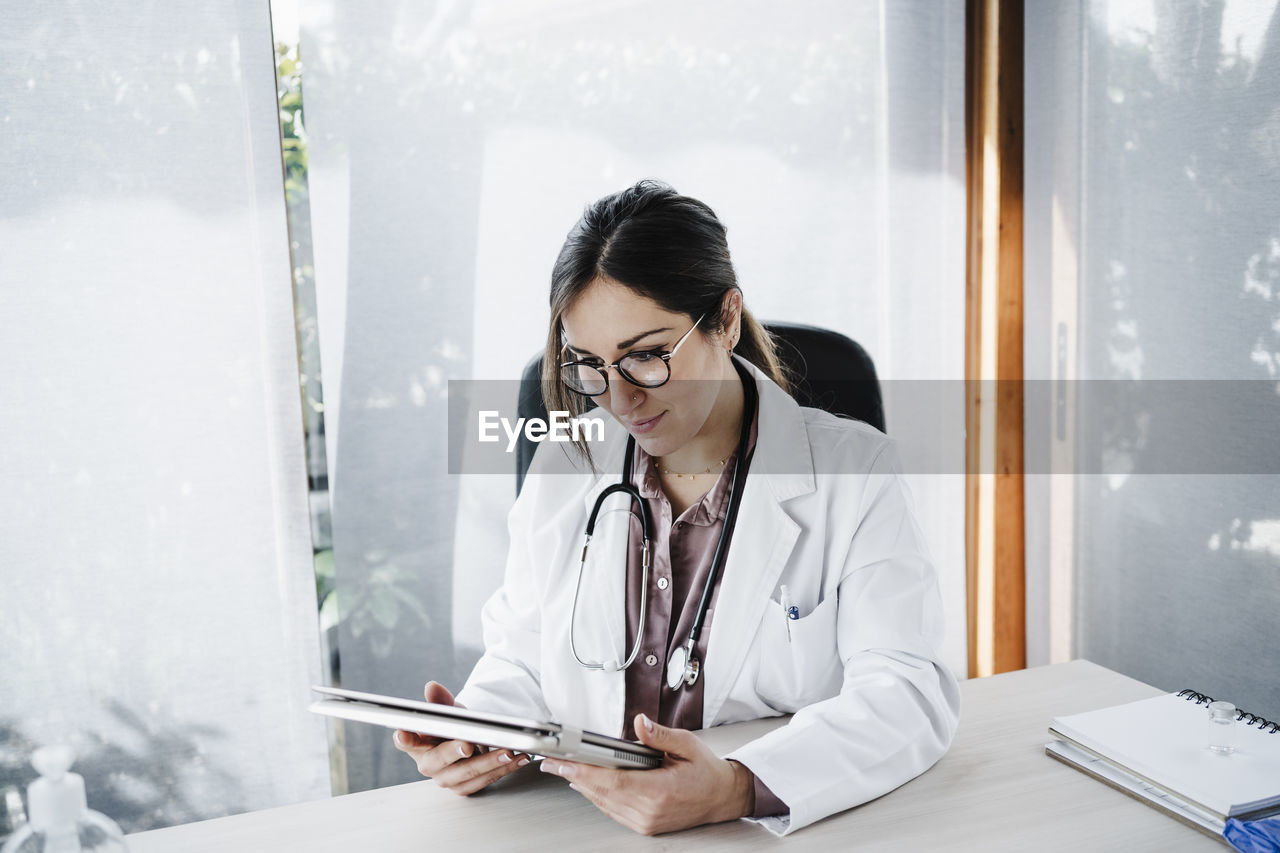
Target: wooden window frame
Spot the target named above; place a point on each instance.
(994, 499)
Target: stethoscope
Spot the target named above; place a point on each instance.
(683, 668)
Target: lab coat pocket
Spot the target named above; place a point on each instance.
(798, 659)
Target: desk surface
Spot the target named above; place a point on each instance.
(994, 790)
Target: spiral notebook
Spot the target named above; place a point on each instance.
(1157, 750)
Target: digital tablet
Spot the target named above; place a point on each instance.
(495, 730)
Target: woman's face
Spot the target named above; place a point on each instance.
(608, 321)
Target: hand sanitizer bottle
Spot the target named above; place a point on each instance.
(61, 821)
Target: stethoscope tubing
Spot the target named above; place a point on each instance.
(691, 664)
(647, 530)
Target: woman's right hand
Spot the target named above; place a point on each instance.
(461, 767)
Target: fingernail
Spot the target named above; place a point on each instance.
(575, 787)
(462, 751)
(648, 723)
(524, 759)
(398, 739)
(549, 767)
(505, 758)
(567, 771)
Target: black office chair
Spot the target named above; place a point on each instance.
(828, 371)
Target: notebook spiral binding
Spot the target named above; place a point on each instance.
(1241, 714)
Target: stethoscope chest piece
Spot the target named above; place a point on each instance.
(682, 669)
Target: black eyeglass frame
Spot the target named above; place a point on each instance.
(603, 369)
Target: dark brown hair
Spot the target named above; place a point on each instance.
(669, 248)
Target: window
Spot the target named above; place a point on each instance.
(158, 606)
(1153, 251)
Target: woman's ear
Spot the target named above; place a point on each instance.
(732, 312)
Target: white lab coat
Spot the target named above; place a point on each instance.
(825, 512)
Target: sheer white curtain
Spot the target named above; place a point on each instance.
(1153, 274)
(453, 144)
(158, 603)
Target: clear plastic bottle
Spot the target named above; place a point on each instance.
(60, 819)
(1222, 720)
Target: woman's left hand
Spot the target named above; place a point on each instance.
(692, 786)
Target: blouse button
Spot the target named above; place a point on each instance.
(651, 659)
(662, 583)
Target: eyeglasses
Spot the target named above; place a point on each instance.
(646, 369)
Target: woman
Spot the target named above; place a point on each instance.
(816, 593)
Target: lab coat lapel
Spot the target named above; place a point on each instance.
(762, 543)
(763, 539)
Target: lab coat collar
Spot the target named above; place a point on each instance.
(782, 445)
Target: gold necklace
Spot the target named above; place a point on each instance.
(679, 475)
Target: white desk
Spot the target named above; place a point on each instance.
(995, 790)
